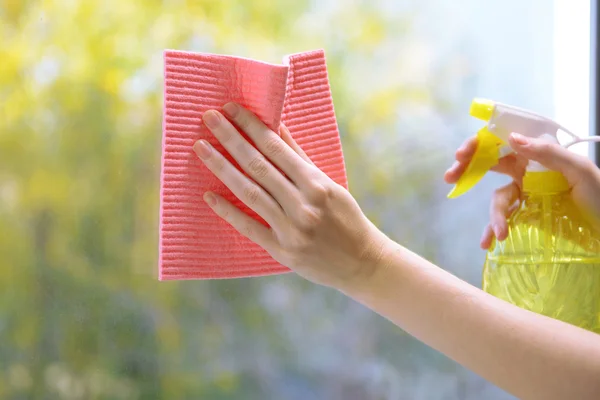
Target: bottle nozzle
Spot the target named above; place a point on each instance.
(482, 109)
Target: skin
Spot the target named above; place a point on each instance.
(317, 229)
(581, 173)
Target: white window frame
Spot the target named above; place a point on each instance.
(573, 66)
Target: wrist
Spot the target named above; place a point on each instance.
(375, 265)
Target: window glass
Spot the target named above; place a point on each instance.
(82, 313)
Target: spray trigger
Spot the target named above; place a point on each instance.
(486, 156)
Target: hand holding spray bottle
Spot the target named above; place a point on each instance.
(550, 261)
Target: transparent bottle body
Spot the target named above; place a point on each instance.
(549, 263)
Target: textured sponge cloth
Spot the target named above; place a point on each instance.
(194, 242)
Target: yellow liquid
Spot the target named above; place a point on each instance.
(550, 262)
(569, 292)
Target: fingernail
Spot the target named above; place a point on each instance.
(210, 199)
(231, 109)
(211, 119)
(520, 139)
(202, 149)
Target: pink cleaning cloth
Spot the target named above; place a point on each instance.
(194, 242)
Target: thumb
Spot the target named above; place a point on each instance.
(551, 155)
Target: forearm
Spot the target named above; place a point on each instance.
(529, 355)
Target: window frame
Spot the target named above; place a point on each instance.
(595, 77)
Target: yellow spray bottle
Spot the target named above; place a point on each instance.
(550, 261)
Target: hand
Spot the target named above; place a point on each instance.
(316, 228)
(581, 173)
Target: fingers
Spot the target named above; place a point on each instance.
(488, 232)
(268, 142)
(502, 201)
(487, 237)
(552, 156)
(454, 173)
(241, 222)
(464, 154)
(243, 188)
(513, 166)
(466, 150)
(251, 160)
(510, 165)
(289, 140)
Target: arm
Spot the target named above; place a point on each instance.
(318, 230)
(528, 355)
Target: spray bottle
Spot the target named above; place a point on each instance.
(550, 261)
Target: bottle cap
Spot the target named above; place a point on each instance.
(545, 182)
(482, 109)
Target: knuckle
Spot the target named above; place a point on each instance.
(258, 167)
(244, 122)
(487, 233)
(251, 194)
(496, 216)
(248, 231)
(273, 147)
(225, 134)
(319, 193)
(497, 203)
(502, 192)
(224, 213)
(504, 195)
(494, 205)
(298, 245)
(241, 147)
(308, 219)
(218, 163)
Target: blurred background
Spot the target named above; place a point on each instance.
(82, 314)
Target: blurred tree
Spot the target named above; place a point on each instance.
(82, 315)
